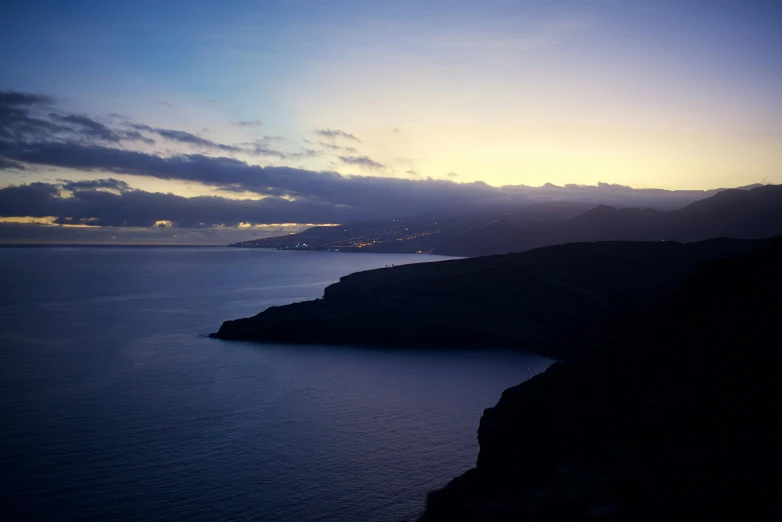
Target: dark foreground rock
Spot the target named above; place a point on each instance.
(672, 418)
(554, 300)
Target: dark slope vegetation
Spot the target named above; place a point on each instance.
(736, 213)
(672, 419)
(552, 300)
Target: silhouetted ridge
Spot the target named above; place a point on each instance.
(670, 419)
(748, 213)
(517, 300)
(600, 212)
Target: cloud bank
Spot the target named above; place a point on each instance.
(33, 135)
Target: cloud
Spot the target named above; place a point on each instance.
(306, 153)
(23, 119)
(395, 131)
(248, 123)
(336, 133)
(452, 175)
(10, 165)
(186, 137)
(137, 208)
(369, 197)
(352, 150)
(164, 103)
(111, 202)
(361, 161)
(14, 98)
(86, 126)
(262, 148)
(32, 135)
(109, 183)
(329, 145)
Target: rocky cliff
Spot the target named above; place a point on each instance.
(671, 418)
(553, 300)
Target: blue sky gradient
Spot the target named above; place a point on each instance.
(666, 94)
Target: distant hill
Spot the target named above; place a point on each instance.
(738, 213)
(419, 233)
(735, 213)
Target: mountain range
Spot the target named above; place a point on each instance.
(738, 213)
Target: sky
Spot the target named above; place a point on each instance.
(214, 120)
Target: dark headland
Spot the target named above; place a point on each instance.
(553, 300)
(671, 418)
(662, 404)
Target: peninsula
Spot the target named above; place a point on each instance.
(552, 300)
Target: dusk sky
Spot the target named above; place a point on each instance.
(221, 118)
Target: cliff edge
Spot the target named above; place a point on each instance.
(671, 418)
(554, 300)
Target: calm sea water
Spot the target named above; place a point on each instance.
(113, 404)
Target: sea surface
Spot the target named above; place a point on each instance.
(114, 405)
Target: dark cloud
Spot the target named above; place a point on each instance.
(336, 133)
(262, 148)
(18, 122)
(368, 196)
(104, 183)
(248, 123)
(110, 202)
(351, 150)
(361, 161)
(87, 127)
(412, 172)
(10, 165)
(452, 175)
(138, 208)
(31, 134)
(22, 120)
(257, 147)
(187, 138)
(14, 98)
(28, 200)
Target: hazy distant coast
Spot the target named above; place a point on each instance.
(750, 212)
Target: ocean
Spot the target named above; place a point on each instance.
(114, 405)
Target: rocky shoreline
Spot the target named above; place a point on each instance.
(669, 419)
